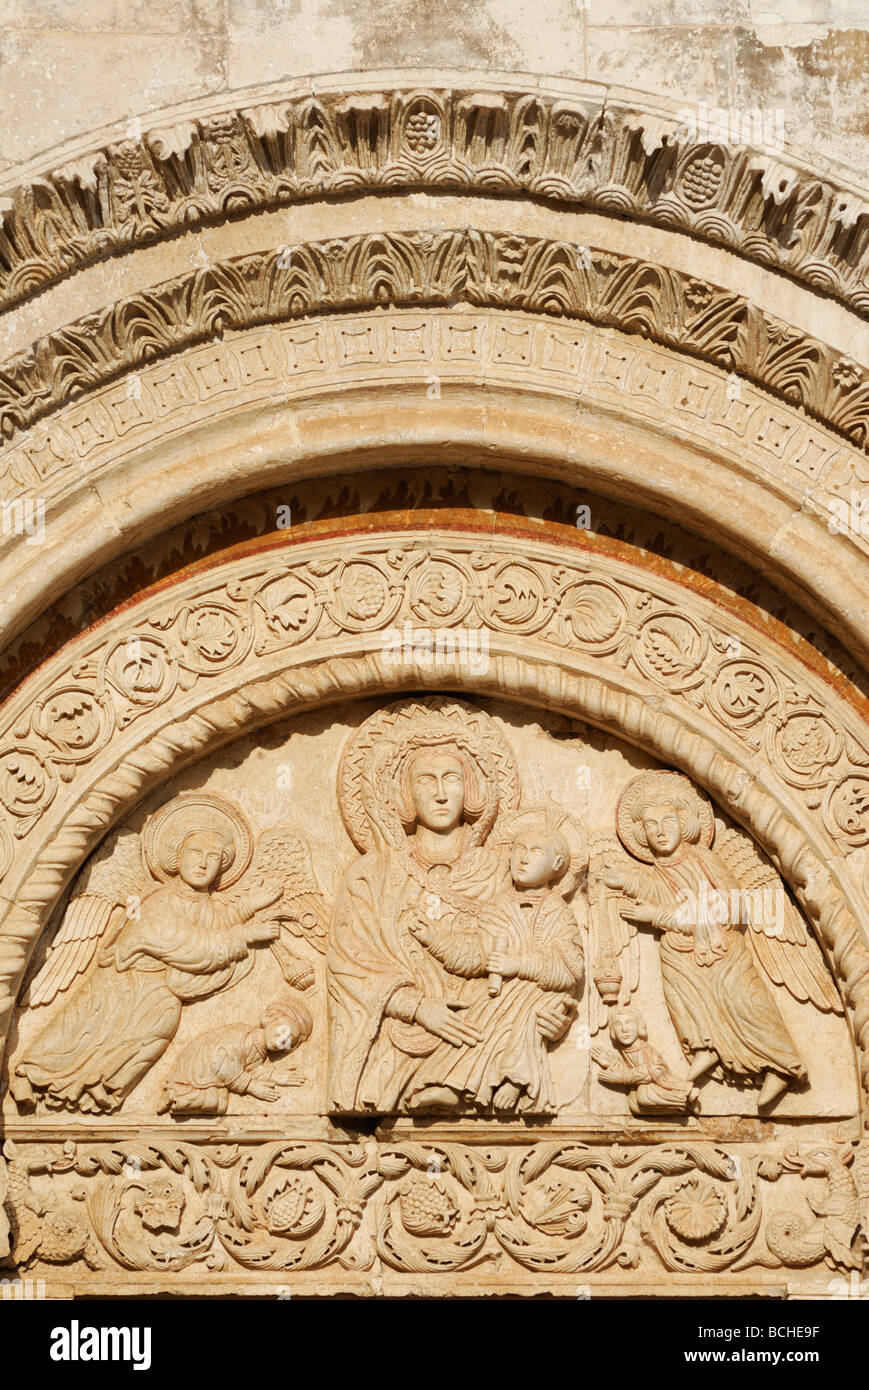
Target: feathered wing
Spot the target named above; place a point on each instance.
(609, 934)
(114, 876)
(783, 946)
(284, 854)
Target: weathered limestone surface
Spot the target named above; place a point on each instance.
(61, 60)
(434, 722)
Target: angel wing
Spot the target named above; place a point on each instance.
(283, 853)
(785, 950)
(114, 876)
(609, 935)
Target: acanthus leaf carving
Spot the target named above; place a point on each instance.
(641, 163)
(482, 269)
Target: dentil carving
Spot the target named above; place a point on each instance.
(411, 269)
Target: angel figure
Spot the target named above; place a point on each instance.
(174, 941)
(235, 1059)
(716, 952)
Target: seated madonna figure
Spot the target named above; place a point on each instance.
(431, 798)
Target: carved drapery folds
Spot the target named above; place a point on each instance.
(444, 899)
(544, 927)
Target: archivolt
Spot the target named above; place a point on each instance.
(585, 641)
(564, 143)
(112, 401)
(483, 269)
(603, 410)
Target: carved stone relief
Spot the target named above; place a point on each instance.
(438, 906)
(232, 632)
(480, 268)
(420, 900)
(396, 905)
(571, 145)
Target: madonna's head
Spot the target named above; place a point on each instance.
(439, 787)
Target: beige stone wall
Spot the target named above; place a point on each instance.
(435, 509)
(71, 66)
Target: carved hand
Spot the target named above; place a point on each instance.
(643, 914)
(599, 1056)
(553, 1019)
(263, 1090)
(419, 928)
(263, 933)
(264, 894)
(499, 963)
(437, 1017)
(614, 877)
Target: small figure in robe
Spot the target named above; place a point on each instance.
(235, 1058)
(653, 1089)
(517, 953)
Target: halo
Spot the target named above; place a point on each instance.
(660, 786)
(510, 824)
(375, 751)
(192, 811)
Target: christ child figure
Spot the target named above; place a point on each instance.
(523, 960)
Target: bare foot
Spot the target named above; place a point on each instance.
(772, 1087)
(434, 1098)
(506, 1096)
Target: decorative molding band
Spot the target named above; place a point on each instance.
(189, 668)
(431, 348)
(445, 268)
(569, 145)
(87, 459)
(328, 1215)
